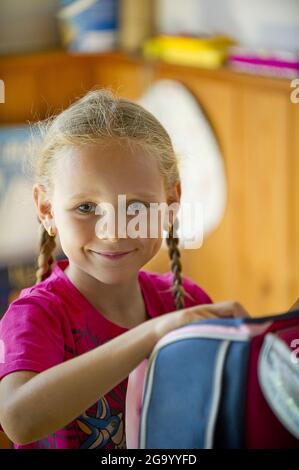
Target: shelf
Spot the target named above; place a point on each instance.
(58, 57)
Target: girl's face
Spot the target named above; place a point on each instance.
(85, 177)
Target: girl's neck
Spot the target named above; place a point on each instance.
(122, 304)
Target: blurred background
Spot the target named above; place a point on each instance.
(223, 78)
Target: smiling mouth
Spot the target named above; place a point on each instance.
(113, 255)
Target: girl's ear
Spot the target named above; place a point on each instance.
(175, 194)
(179, 190)
(43, 205)
(173, 201)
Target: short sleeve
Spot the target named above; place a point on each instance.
(195, 295)
(31, 337)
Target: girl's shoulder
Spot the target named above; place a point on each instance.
(37, 322)
(47, 295)
(39, 300)
(162, 283)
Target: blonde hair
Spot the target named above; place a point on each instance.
(97, 116)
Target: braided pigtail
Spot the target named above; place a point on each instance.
(176, 267)
(45, 258)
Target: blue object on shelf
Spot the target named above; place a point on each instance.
(89, 25)
(13, 139)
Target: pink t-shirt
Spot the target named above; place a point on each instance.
(52, 322)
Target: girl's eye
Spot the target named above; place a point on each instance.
(135, 206)
(86, 208)
(132, 208)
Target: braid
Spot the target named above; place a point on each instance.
(45, 257)
(176, 267)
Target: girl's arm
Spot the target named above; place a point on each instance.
(34, 405)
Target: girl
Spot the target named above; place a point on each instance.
(69, 342)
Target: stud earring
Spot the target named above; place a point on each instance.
(51, 232)
(49, 228)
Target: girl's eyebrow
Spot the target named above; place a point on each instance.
(92, 195)
(83, 196)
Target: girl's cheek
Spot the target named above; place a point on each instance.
(76, 226)
(153, 248)
(155, 227)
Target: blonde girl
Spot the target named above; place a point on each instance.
(69, 342)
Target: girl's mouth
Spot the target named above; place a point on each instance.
(113, 256)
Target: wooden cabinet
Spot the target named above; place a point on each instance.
(253, 256)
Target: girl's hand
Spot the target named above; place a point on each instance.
(179, 318)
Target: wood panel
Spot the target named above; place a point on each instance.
(20, 96)
(40, 85)
(128, 79)
(263, 219)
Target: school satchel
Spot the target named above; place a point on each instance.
(220, 383)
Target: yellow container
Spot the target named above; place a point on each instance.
(202, 52)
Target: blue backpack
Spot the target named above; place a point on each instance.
(219, 383)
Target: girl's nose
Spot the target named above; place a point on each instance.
(109, 227)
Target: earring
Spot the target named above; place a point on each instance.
(49, 228)
(51, 232)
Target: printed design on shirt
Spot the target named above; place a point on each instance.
(103, 424)
(103, 428)
(87, 336)
(64, 438)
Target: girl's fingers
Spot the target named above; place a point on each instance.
(205, 315)
(232, 309)
(243, 313)
(227, 309)
(240, 311)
